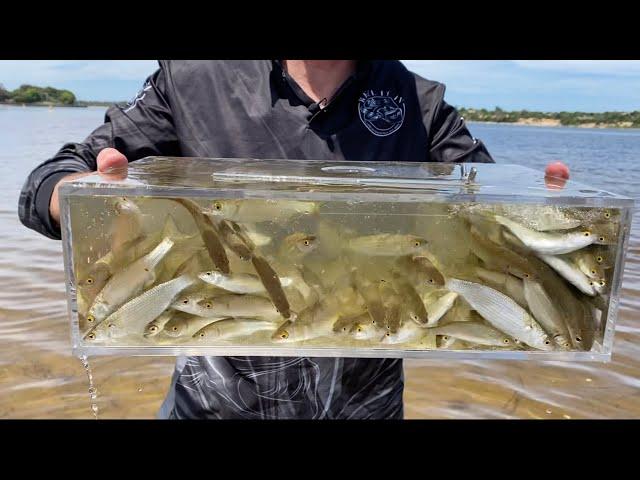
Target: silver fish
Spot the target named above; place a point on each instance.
(475, 332)
(407, 332)
(570, 272)
(127, 283)
(541, 217)
(238, 282)
(272, 285)
(154, 327)
(230, 328)
(502, 312)
(386, 244)
(187, 325)
(255, 211)
(298, 244)
(134, 315)
(438, 303)
(238, 306)
(414, 307)
(546, 313)
(548, 243)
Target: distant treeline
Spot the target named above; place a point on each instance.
(609, 119)
(30, 94)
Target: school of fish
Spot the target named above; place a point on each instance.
(536, 278)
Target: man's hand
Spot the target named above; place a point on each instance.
(108, 158)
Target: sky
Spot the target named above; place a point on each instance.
(543, 85)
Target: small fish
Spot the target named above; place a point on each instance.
(208, 232)
(255, 211)
(586, 261)
(502, 312)
(406, 333)
(127, 224)
(548, 243)
(299, 244)
(154, 327)
(370, 292)
(233, 240)
(387, 244)
(504, 282)
(230, 328)
(315, 321)
(344, 324)
(272, 285)
(393, 306)
(571, 273)
(238, 282)
(474, 332)
(365, 330)
(127, 283)
(498, 257)
(541, 217)
(438, 303)
(414, 306)
(134, 315)
(187, 325)
(546, 313)
(190, 303)
(233, 305)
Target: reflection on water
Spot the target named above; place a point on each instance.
(40, 379)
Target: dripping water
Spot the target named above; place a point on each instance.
(93, 392)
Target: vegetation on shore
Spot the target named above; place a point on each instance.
(30, 94)
(579, 119)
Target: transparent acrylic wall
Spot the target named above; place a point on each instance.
(370, 259)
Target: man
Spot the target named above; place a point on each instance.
(297, 109)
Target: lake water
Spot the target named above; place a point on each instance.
(40, 379)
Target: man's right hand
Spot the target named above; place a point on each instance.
(108, 158)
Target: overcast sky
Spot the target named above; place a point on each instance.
(510, 84)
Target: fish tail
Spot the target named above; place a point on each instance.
(158, 253)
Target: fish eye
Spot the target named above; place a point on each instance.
(388, 334)
(586, 234)
(284, 334)
(431, 280)
(414, 317)
(90, 318)
(578, 339)
(567, 345)
(208, 305)
(359, 329)
(601, 239)
(526, 275)
(217, 206)
(593, 272)
(201, 334)
(153, 328)
(111, 325)
(416, 243)
(91, 336)
(547, 342)
(90, 280)
(174, 328)
(506, 341)
(146, 269)
(445, 337)
(185, 301)
(599, 259)
(208, 273)
(307, 243)
(607, 215)
(601, 283)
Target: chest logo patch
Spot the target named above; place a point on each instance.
(381, 113)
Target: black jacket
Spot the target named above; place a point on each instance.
(254, 109)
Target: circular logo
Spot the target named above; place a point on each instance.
(381, 114)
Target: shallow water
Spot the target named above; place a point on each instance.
(40, 379)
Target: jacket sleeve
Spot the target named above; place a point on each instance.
(450, 140)
(142, 128)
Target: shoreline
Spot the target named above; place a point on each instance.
(556, 124)
(59, 105)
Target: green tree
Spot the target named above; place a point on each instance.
(4, 94)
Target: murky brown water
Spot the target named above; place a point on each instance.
(40, 379)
